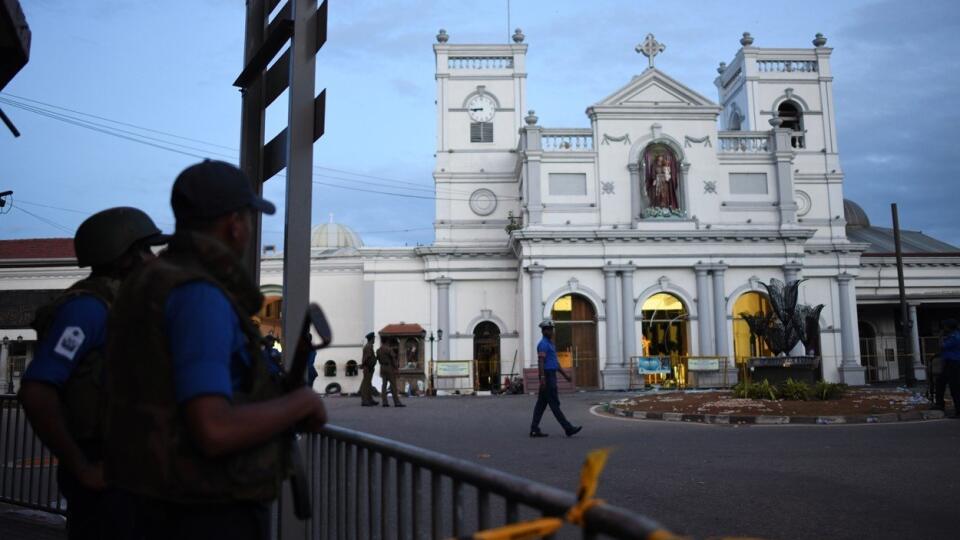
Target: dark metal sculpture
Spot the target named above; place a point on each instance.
(788, 323)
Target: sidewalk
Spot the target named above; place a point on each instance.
(18, 523)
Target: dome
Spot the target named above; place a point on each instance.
(334, 236)
(854, 215)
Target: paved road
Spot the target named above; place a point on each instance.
(777, 482)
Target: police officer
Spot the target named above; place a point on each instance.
(950, 373)
(62, 391)
(548, 366)
(368, 363)
(389, 369)
(198, 426)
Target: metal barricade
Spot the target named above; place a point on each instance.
(28, 469)
(361, 486)
(365, 486)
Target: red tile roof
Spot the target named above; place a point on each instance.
(37, 248)
(402, 329)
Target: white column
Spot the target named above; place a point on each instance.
(4, 366)
(536, 295)
(791, 272)
(628, 307)
(635, 190)
(851, 371)
(704, 315)
(919, 373)
(443, 317)
(610, 298)
(720, 311)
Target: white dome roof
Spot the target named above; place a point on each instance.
(334, 236)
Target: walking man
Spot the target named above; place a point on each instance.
(950, 374)
(199, 425)
(368, 363)
(62, 390)
(389, 368)
(548, 365)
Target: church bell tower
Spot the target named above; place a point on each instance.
(481, 96)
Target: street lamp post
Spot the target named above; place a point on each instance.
(6, 357)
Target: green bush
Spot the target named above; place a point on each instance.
(755, 390)
(794, 390)
(828, 390)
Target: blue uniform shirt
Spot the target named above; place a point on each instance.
(206, 342)
(550, 362)
(79, 326)
(950, 350)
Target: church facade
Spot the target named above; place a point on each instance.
(645, 235)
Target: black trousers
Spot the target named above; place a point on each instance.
(949, 376)
(549, 396)
(161, 520)
(92, 515)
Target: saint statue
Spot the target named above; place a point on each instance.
(661, 178)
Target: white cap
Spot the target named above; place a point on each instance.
(546, 323)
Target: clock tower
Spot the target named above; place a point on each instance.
(480, 105)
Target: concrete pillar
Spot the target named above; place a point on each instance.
(628, 307)
(636, 187)
(443, 317)
(720, 311)
(919, 373)
(534, 151)
(704, 313)
(615, 375)
(4, 366)
(536, 311)
(851, 372)
(784, 153)
(791, 272)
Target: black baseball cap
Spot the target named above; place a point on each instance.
(370, 335)
(210, 189)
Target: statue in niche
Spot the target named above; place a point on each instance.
(661, 180)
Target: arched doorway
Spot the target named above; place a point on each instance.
(665, 328)
(269, 317)
(486, 352)
(868, 351)
(745, 343)
(575, 337)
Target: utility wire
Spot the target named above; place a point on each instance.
(45, 220)
(232, 157)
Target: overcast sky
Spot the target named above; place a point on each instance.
(168, 66)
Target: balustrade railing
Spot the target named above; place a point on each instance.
(567, 140)
(480, 62)
(28, 470)
(744, 143)
(787, 66)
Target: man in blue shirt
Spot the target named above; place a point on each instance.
(950, 375)
(548, 366)
(62, 387)
(199, 419)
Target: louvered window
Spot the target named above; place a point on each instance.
(481, 132)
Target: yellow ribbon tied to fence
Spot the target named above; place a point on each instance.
(538, 528)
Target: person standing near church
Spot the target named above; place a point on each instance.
(62, 391)
(950, 374)
(368, 363)
(389, 369)
(198, 422)
(548, 366)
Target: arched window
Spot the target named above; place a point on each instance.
(352, 369)
(660, 182)
(486, 353)
(735, 120)
(789, 113)
(664, 326)
(745, 343)
(329, 368)
(575, 337)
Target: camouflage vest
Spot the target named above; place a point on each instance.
(82, 394)
(148, 448)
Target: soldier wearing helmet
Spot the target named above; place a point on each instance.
(548, 365)
(198, 419)
(62, 390)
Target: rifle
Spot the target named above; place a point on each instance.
(295, 378)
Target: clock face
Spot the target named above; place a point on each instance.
(481, 108)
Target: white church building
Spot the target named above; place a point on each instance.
(646, 234)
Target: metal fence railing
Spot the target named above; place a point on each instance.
(28, 469)
(361, 485)
(365, 486)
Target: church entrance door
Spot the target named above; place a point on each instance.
(576, 338)
(486, 353)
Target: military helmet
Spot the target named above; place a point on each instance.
(105, 236)
(546, 323)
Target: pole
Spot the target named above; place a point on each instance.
(251, 129)
(905, 322)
